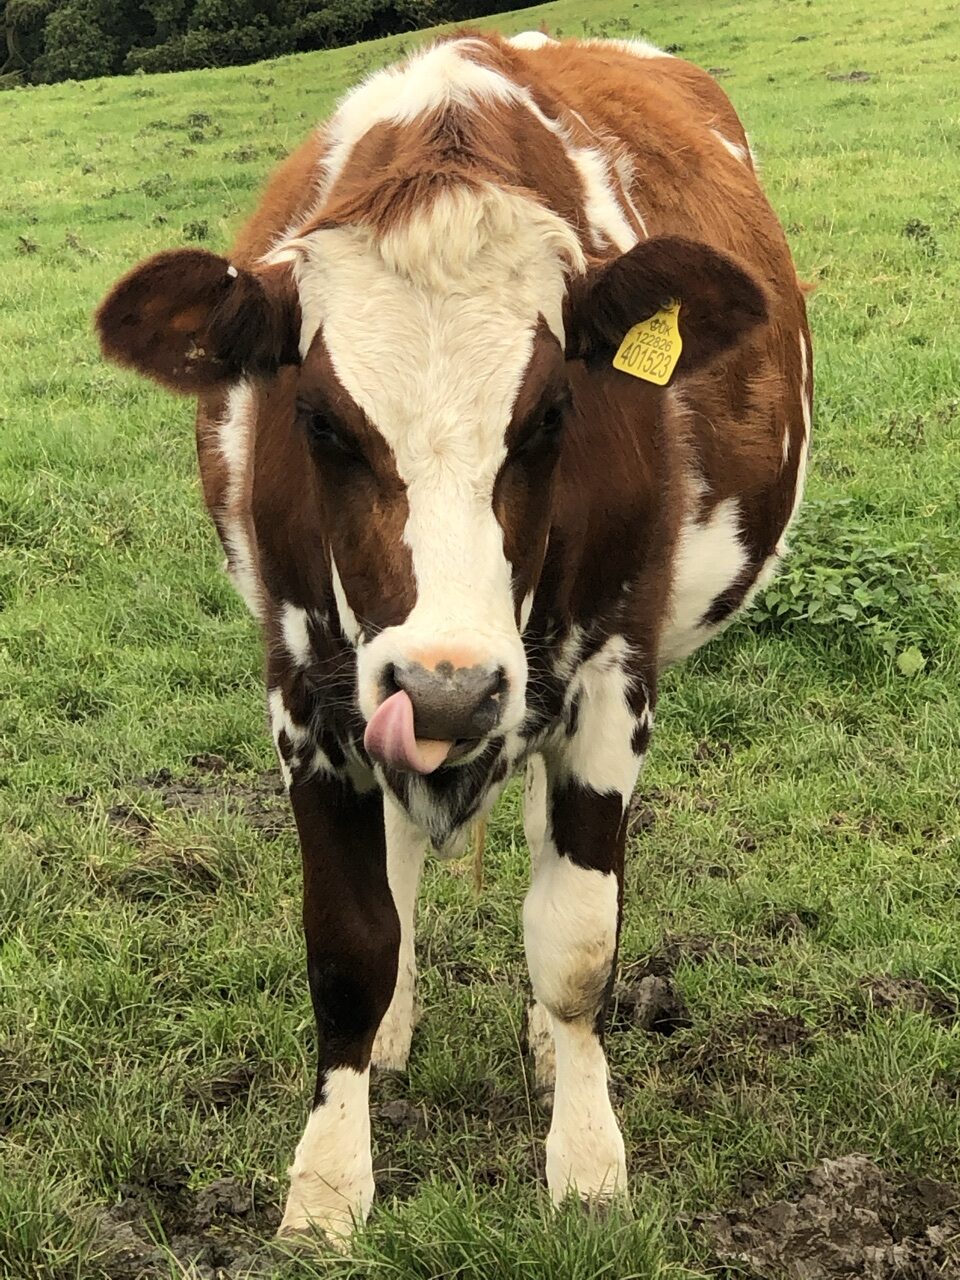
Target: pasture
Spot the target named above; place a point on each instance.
(790, 962)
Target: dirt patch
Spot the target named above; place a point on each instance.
(216, 1093)
(136, 826)
(261, 803)
(209, 790)
(697, 949)
(885, 992)
(850, 77)
(741, 1052)
(23, 1090)
(403, 1116)
(215, 1233)
(162, 871)
(785, 926)
(849, 1219)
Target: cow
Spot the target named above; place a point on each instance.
(504, 399)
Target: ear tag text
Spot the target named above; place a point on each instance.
(650, 350)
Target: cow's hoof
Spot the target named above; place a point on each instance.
(316, 1213)
(593, 1167)
(312, 1235)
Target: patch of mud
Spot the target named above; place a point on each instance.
(23, 1090)
(850, 77)
(697, 949)
(403, 1116)
(848, 1219)
(261, 803)
(209, 789)
(161, 871)
(217, 1093)
(215, 1233)
(785, 926)
(885, 992)
(740, 1053)
(136, 826)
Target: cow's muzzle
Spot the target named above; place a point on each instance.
(432, 716)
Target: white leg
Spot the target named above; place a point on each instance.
(331, 1178)
(570, 929)
(539, 1025)
(406, 845)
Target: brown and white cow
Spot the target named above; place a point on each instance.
(472, 542)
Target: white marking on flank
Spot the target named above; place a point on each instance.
(639, 48)
(331, 1178)
(709, 558)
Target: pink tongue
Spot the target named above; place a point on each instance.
(390, 740)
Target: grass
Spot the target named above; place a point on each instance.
(797, 826)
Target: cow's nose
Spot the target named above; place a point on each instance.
(450, 702)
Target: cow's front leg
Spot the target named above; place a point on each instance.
(353, 939)
(406, 845)
(571, 928)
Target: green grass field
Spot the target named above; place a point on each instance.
(793, 875)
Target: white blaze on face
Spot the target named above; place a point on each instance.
(430, 330)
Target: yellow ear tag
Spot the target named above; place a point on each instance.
(652, 348)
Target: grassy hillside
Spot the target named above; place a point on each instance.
(794, 865)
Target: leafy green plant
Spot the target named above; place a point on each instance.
(840, 575)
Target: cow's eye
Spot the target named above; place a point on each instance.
(545, 433)
(326, 436)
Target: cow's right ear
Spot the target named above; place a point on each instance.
(193, 322)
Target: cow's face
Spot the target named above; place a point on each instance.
(433, 405)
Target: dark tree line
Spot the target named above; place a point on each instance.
(47, 40)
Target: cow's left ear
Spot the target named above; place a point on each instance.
(719, 300)
(193, 322)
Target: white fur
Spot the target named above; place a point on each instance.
(406, 845)
(806, 410)
(738, 152)
(605, 215)
(525, 610)
(298, 735)
(570, 929)
(599, 754)
(234, 440)
(710, 556)
(606, 219)
(296, 633)
(530, 40)
(331, 1178)
(535, 806)
(348, 619)
(430, 330)
(639, 48)
(437, 77)
(542, 1051)
(585, 1152)
(570, 923)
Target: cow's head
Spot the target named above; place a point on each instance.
(432, 392)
